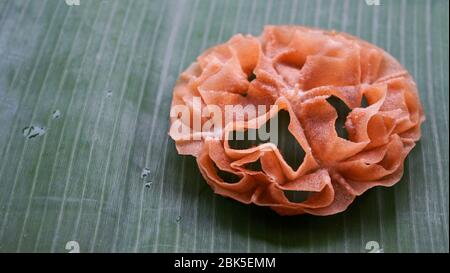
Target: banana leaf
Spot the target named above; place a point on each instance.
(86, 163)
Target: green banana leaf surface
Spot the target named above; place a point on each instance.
(86, 163)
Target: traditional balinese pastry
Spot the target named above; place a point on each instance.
(298, 69)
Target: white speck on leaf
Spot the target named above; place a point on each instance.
(33, 131)
(145, 172)
(56, 114)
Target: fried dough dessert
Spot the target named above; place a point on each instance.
(298, 69)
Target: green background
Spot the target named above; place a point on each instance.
(109, 67)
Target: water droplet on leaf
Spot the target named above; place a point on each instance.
(145, 172)
(56, 114)
(33, 131)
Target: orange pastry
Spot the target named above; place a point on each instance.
(297, 69)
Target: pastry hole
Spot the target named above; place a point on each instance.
(227, 177)
(288, 145)
(296, 196)
(254, 166)
(241, 140)
(364, 102)
(251, 77)
(342, 111)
